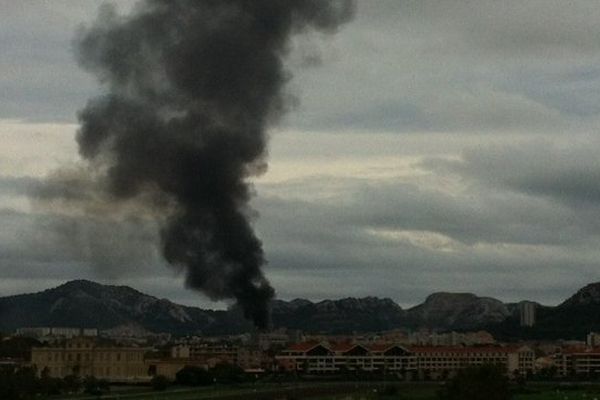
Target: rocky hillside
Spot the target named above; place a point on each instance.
(457, 311)
(588, 295)
(574, 318)
(121, 308)
(338, 316)
(88, 304)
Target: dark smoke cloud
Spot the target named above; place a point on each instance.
(191, 87)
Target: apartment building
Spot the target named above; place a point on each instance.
(313, 357)
(88, 356)
(592, 339)
(437, 359)
(211, 354)
(68, 333)
(527, 313)
(578, 361)
(217, 352)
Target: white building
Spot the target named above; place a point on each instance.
(527, 313)
(63, 332)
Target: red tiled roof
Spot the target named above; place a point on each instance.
(581, 350)
(303, 346)
(463, 350)
(379, 347)
(344, 347)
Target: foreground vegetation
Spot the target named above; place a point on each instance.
(230, 383)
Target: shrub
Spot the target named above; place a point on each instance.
(193, 376)
(487, 382)
(159, 383)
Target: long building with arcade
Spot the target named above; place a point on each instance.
(313, 357)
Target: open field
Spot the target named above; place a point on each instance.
(270, 391)
(333, 391)
(561, 394)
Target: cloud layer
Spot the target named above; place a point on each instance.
(439, 146)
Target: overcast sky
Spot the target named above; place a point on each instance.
(436, 146)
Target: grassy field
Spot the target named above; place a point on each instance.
(247, 392)
(561, 394)
(331, 391)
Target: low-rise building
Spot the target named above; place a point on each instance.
(63, 332)
(592, 339)
(86, 356)
(432, 358)
(211, 354)
(311, 357)
(578, 361)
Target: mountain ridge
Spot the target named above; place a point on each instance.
(84, 303)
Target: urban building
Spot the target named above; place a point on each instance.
(277, 339)
(85, 356)
(204, 352)
(592, 339)
(578, 361)
(439, 359)
(40, 332)
(313, 357)
(527, 313)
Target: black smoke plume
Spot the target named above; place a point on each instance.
(191, 87)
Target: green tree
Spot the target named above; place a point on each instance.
(159, 383)
(18, 383)
(227, 373)
(48, 385)
(94, 386)
(487, 382)
(72, 383)
(193, 376)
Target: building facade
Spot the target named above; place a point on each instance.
(40, 332)
(593, 339)
(440, 359)
(85, 356)
(325, 358)
(392, 358)
(211, 354)
(578, 361)
(527, 313)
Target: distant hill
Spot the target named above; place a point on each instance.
(574, 318)
(339, 316)
(88, 304)
(84, 303)
(458, 311)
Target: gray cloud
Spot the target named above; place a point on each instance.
(57, 245)
(514, 220)
(403, 66)
(474, 241)
(39, 79)
(486, 66)
(569, 174)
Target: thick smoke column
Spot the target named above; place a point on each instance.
(191, 87)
